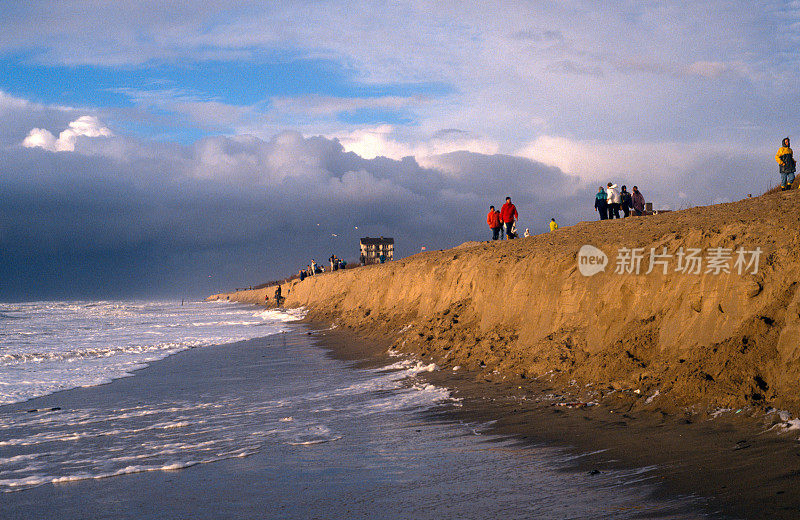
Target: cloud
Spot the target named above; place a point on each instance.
(386, 141)
(316, 105)
(617, 71)
(673, 174)
(84, 126)
(149, 218)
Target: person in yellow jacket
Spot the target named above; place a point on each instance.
(553, 225)
(786, 164)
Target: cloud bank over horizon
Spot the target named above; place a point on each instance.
(236, 210)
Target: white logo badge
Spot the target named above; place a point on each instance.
(591, 260)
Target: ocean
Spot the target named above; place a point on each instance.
(224, 410)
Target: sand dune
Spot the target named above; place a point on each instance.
(521, 309)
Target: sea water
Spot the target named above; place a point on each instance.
(50, 346)
(314, 436)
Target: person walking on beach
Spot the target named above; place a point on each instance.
(601, 204)
(553, 225)
(625, 197)
(278, 295)
(786, 164)
(613, 200)
(508, 214)
(493, 220)
(637, 201)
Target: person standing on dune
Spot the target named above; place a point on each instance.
(637, 201)
(613, 200)
(493, 220)
(601, 203)
(786, 164)
(508, 214)
(627, 201)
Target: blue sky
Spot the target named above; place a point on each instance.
(251, 83)
(388, 115)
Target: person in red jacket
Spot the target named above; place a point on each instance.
(493, 219)
(508, 214)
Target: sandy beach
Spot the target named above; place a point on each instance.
(695, 373)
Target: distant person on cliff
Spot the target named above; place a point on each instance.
(786, 164)
(313, 266)
(613, 200)
(637, 201)
(527, 233)
(601, 204)
(626, 204)
(493, 220)
(553, 225)
(508, 214)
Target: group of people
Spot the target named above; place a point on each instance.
(310, 270)
(314, 268)
(503, 222)
(336, 263)
(610, 200)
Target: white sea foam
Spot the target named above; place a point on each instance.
(89, 343)
(51, 346)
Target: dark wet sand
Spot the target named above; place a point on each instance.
(743, 472)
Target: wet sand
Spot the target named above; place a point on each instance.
(731, 461)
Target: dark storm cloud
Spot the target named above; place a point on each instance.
(120, 218)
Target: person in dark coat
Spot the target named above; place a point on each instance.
(626, 201)
(637, 201)
(600, 203)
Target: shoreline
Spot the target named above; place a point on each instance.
(694, 457)
(732, 461)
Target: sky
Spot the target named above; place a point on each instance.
(174, 149)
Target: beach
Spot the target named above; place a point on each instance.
(723, 336)
(694, 372)
(373, 444)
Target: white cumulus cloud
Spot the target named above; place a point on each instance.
(84, 126)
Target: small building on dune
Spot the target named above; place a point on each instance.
(376, 250)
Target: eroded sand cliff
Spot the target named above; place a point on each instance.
(521, 309)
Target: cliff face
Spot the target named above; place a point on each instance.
(522, 308)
